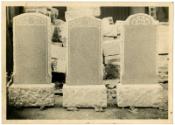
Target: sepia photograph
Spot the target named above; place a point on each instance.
(82, 62)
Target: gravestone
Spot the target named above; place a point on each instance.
(84, 86)
(139, 84)
(32, 71)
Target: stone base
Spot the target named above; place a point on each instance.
(27, 95)
(84, 96)
(145, 95)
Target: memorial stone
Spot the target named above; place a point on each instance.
(31, 44)
(84, 86)
(84, 52)
(32, 71)
(139, 85)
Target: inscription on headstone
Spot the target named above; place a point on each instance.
(139, 50)
(84, 51)
(31, 49)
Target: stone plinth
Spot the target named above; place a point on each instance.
(84, 96)
(139, 95)
(26, 95)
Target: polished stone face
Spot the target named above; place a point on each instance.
(84, 52)
(139, 54)
(31, 49)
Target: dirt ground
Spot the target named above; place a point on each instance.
(87, 114)
(111, 112)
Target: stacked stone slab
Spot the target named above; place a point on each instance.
(58, 58)
(163, 38)
(109, 28)
(162, 69)
(111, 50)
(139, 84)
(32, 72)
(163, 49)
(75, 12)
(84, 86)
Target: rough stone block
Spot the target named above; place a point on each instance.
(111, 97)
(115, 60)
(162, 68)
(111, 47)
(163, 38)
(136, 95)
(84, 96)
(73, 13)
(26, 95)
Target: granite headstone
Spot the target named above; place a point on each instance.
(31, 49)
(139, 57)
(84, 52)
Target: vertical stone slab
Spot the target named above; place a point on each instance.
(139, 50)
(32, 71)
(139, 63)
(74, 12)
(31, 49)
(84, 75)
(84, 52)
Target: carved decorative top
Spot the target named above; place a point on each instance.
(31, 18)
(141, 19)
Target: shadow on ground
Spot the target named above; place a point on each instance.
(58, 112)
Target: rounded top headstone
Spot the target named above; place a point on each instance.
(141, 19)
(31, 18)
